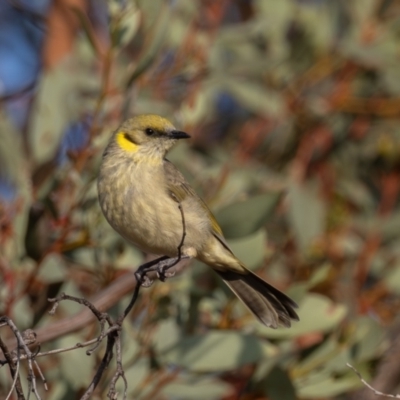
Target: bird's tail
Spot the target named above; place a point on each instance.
(272, 307)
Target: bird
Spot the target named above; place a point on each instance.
(147, 200)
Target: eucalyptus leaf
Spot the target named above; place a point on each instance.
(16, 183)
(299, 289)
(161, 17)
(215, 351)
(22, 313)
(319, 357)
(246, 217)
(50, 113)
(197, 388)
(71, 307)
(131, 257)
(307, 212)
(128, 26)
(318, 386)
(392, 279)
(255, 97)
(135, 375)
(167, 335)
(278, 386)
(370, 339)
(76, 367)
(329, 358)
(59, 390)
(250, 249)
(53, 269)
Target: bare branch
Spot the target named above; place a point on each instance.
(376, 392)
(14, 370)
(29, 337)
(144, 274)
(119, 373)
(99, 315)
(108, 355)
(14, 384)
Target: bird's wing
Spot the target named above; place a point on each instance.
(179, 189)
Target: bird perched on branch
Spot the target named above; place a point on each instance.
(147, 200)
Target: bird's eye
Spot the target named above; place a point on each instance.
(149, 132)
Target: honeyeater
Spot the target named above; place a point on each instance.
(140, 192)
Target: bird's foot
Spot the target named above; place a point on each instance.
(163, 267)
(160, 267)
(143, 279)
(163, 275)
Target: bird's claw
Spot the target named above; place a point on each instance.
(143, 279)
(163, 274)
(162, 270)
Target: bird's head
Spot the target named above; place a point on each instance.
(147, 136)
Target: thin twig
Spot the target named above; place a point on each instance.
(377, 392)
(119, 373)
(98, 314)
(108, 355)
(131, 303)
(113, 333)
(14, 370)
(14, 384)
(40, 373)
(65, 349)
(21, 344)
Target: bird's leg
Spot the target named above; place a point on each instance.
(164, 265)
(141, 272)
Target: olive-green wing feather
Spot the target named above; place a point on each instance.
(269, 305)
(179, 189)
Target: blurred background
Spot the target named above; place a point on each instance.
(293, 107)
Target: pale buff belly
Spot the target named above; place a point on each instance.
(150, 218)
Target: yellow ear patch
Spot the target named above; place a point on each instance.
(125, 143)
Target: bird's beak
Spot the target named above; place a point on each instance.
(178, 135)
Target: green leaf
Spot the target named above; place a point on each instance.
(76, 367)
(392, 279)
(51, 111)
(246, 217)
(255, 96)
(250, 249)
(278, 386)
(300, 289)
(135, 375)
(197, 388)
(317, 386)
(59, 390)
(167, 335)
(369, 339)
(70, 307)
(53, 269)
(11, 154)
(130, 257)
(215, 351)
(329, 357)
(127, 26)
(307, 212)
(159, 34)
(15, 171)
(22, 313)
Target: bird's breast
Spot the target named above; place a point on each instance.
(136, 203)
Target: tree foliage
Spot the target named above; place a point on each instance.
(293, 108)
